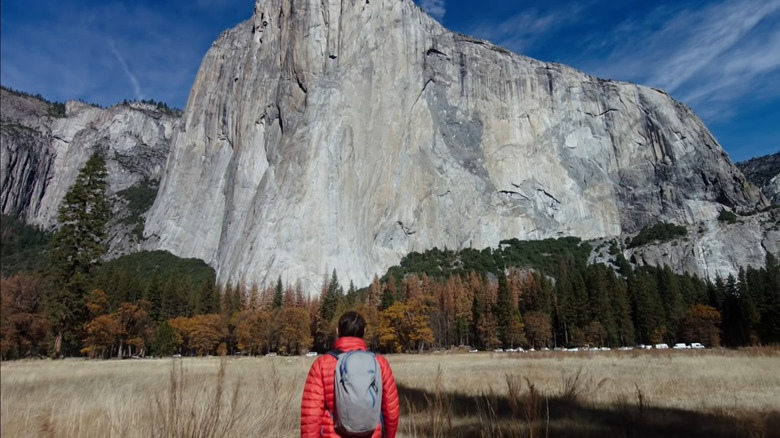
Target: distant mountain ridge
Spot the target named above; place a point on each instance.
(44, 144)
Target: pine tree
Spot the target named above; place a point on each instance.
(153, 295)
(770, 301)
(330, 301)
(209, 296)
(164, 343)
(671, 298)
(278, 294)
(504, 309)
(621, 310)
(77, 248)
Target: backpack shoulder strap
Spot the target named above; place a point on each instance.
(335, 352)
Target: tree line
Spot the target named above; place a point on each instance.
(522, 294)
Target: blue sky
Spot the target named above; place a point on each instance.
(720, 57)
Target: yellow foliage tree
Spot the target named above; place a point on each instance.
(252, 331)
(405, 326)
(207, 332)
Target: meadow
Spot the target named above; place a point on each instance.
(534, 394)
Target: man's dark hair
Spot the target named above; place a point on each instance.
(352, 323)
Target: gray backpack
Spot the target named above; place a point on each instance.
(357, 393)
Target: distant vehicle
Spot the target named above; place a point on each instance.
(661, 346)
(177, 355)
(311, 354)
(604, 349)
(696, 345)
(271, 354)
(680, 346)
(473, 350)
(498, 350)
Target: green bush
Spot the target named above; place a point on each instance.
(727, 216)
(658, 233)
(139, 200)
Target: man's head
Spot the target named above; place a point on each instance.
(351, 324)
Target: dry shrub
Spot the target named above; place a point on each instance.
(533, 410)
(577, 387)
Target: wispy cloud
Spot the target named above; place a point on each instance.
(521, 31)
(89, 48)
(139, 95)
(701, 56)
(435, 8)
(704, 36)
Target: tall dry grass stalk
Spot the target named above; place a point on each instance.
(206, 415)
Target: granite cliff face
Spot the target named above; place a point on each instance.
(764, 173)
(323, 134)
(42, 152)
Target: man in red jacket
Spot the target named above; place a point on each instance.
(317, 402)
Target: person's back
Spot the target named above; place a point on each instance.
(318, 401)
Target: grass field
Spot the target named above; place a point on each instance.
(540, 394)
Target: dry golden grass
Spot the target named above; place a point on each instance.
(637, 393)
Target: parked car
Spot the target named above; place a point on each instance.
(680, 346)
(311, 354)
(661, 346)
(696, 345)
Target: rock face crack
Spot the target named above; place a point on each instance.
(408, 231)
(546, 193)
(513, 194)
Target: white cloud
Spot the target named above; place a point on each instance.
(520, 31)
(712, 58)
(704, 36)
(435, 8)
(139, 95)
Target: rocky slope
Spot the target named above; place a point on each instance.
(764, 172)
(42, 150)
(342, 135)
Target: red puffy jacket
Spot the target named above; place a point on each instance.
(317, 401)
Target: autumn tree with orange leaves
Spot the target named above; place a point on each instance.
(23, 323)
